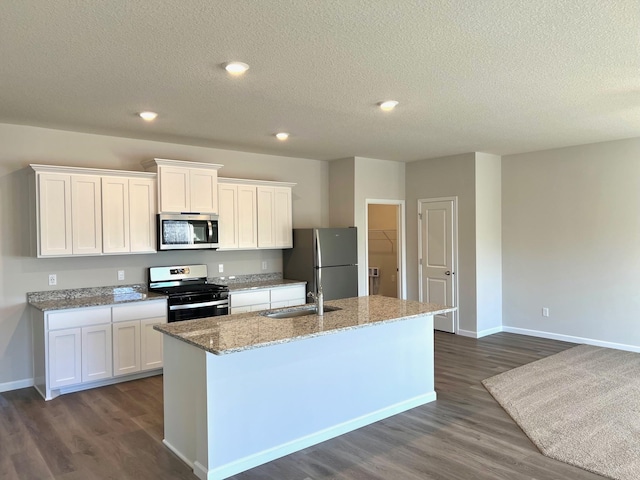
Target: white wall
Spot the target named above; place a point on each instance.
(571, 241)
(22, 273)
(446, 177)
(488, 243)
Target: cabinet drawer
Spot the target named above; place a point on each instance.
(250, 298)
(140, 310)
(81, 317)
(282, 294)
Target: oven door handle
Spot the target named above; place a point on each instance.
(220, 303)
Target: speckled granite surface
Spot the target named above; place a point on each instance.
(90, 297)
(235, 333)
(238, 283)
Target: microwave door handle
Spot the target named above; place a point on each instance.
(210, 225)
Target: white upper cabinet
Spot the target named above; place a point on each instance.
(83, 211)
(255, 214)
(54, 207)
(128, 215)
(186, 186)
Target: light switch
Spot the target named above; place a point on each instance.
(220, 268)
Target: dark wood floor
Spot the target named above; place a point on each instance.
(115, 432)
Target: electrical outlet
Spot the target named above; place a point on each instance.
(120, 274)
(53, 279)
(220, 268)
(545, 312)
(264, 264)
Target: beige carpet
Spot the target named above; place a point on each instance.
(580, 406)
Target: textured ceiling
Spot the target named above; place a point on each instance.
(470, 75)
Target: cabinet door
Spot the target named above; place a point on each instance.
(266, 205)
(228, 217)
(151, 343)
(203, 184)
(86, 214)
(174, 189)
(115, 215)
(247, 217)
(54, 214)
(126, 347)
(142, 215)
(65, 358)
(96, 353)
(282, 217)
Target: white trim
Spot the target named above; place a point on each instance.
(156, 162)
(38, 168)
(456, 276)
(178, 454)
(480, 334)
(278, 451)
(402, 242)
(571, 338)
(16, 385)
(247, 181)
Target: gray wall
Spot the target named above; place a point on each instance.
(446, 177)
(353, 181)
(22, 273)
(571, 241)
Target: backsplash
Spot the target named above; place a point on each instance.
(74, 293)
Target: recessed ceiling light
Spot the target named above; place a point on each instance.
(388, 105)
(236, 68)
(148, 116)
(282, 136)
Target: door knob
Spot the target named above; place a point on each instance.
(448, 272)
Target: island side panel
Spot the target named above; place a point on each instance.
(268, 402)
(184, 390)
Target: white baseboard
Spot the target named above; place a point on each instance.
(481, 333)
(571, 338)
(16, 385)
(467, 333)
(265, 456)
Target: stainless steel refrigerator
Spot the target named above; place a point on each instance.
(327, 256)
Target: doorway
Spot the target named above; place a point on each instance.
(385, 248)
(438, 257)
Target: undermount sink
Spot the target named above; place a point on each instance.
(298, 312)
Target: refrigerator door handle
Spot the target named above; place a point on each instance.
(319, 269)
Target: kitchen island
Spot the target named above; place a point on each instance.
(245, 389)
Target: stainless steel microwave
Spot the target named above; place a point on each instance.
(187, 231)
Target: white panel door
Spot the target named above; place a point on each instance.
(437, 259)
(228, 215)
(65, 360)
(126, 347)
(204, 190)
(282, 217)
(86, 214)
(150, 343)
(115, 215)
(247, 217)
(96, 353)
(174, 189)
(266, 212)
(142, 215)
(54, 207)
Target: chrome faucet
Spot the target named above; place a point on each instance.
(319, 299)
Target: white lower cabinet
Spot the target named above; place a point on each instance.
(96, 353)
(65, 357)
(80, 348)
(267, 298)
(136, 345)
(126, 347)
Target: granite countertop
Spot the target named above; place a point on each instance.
(90, 297)
(245, 331)
(278, 282)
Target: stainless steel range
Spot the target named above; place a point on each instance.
(190, 296)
